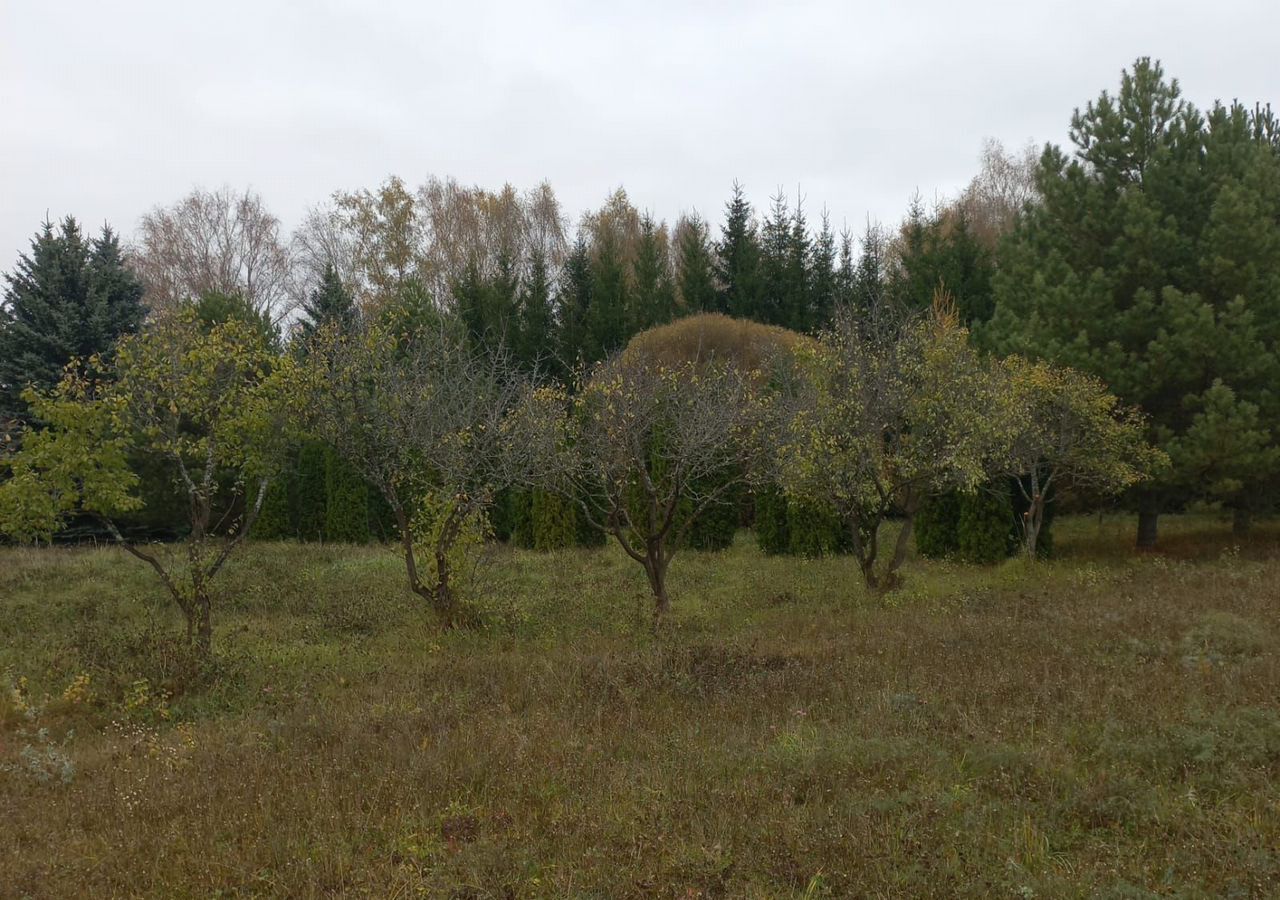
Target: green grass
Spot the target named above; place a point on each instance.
(1105, 724)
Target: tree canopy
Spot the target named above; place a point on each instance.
(1152, 261)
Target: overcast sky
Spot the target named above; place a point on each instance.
(107, 109)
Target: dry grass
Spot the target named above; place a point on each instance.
(1103, 725)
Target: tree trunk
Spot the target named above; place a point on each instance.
(869, 577)
(1032, 523)
(892, 579)
(656, 569)
(431, 594)
(866, 551)
(201, 622)
(444, 600)
(1148, 522)
(1241, 521)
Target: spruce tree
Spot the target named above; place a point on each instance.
(653, 298)
(869, 283)
(535, 340)
(116, 292)
(67, 299)
(939, 251)
(217, 308)
(503, 309)
(695, 267)
(329, 304)
(824, 281)
(573, 304)
(471, 300)
(608, 315)
(846, 273)
(775, 260)
(488, 304)
(796, 302)
(738, 259)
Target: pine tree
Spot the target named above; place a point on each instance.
(329, 304)
(738, 259)
(67, 299)
(653, 299)
(1153, 262)
(695, 269)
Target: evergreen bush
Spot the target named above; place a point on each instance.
(815, 529)
(773, 534)
(983, 533)
(937, 527)
(310, 490)
(275, 521)
(554, 523)
(346, 507)
(974, 527)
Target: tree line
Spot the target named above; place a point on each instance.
(1103, 317)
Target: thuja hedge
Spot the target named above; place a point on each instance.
(541, 520)
(800, 528)
(981, 526)
(319, 497)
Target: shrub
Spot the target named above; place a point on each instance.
(521, 513)
(937, 531)
(977, 527)
(984, 534)
(346, 503)
(800, 527)
(541, 520)
(553, 522)
(382, 520)
(588, 535)
(749, 345)
(815, 529)
(773, 533)
(275, 522)
(502, 514)
(715, 528)
(310, 491)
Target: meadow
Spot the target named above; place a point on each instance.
(1103, 724)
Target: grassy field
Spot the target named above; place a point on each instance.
(1103, 725)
